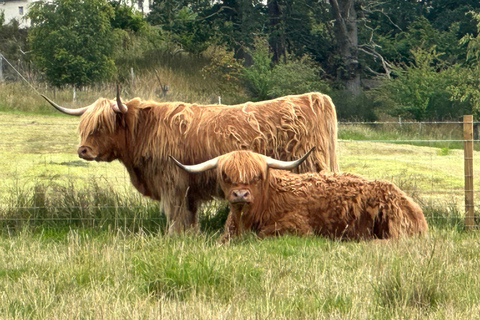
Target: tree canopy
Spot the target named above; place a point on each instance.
(410, 51)
(73, 41)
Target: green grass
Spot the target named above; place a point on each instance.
(77, 241)
(109, 275)
(445, 136)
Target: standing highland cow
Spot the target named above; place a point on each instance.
(341, 206)
(142, 134)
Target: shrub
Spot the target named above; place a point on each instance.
(351, 108)
(420, 90)
(265, 80)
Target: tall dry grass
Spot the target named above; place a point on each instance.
(142, 77)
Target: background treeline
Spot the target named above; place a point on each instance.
(410, 58)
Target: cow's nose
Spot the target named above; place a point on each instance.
(82, 151)
(240, 194)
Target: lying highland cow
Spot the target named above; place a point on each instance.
(342, 206)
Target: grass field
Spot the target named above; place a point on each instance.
(83, 274)
(77, 241)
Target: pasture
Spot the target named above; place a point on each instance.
(77, 241)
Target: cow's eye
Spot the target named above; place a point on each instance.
(225, 178)
(256, 179)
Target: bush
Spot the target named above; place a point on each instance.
(421, 90)
(351, 108)
(265, 80)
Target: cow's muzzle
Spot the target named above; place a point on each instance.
(85, 153)
(240, 196)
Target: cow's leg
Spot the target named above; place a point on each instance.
(231, 228)
(181, 212)
(290, 223)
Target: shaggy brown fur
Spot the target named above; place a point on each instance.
(144, 137)
(342, 206)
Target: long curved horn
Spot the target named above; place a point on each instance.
(123, 108)
(286, 165)
(72, 112)
(197, 168)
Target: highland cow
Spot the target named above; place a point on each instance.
(141, 135)
(269, 201)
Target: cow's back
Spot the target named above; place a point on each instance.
(284, 128)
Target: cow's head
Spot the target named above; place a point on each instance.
(242, 175)
(99, 128)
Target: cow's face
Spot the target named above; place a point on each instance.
(242, 176)
(100, 132)
(98, 146)
(101, 128)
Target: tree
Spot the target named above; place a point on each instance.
(185, 22)
(422, 89)
(13, 40)
(467, 88)
(238, 22)
(126, 18)
(291, 27)
(264, 80)
(72, 41)
(346, 35)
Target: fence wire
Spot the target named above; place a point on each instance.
(43, 180)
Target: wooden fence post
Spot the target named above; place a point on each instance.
(2, 79)
(468, 166)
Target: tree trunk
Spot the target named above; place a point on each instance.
(346, 34)
(277, 35)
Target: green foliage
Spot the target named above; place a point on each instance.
(237, 23)
(258, 78)
(264, 79)
(13, 46)
(186, 30)
(134, 46)
(126, 18)
(297, 75)
(183, 23)
(72, 41)
(420, 90)
(353, 108)
(402, 26)
(225, 69)
(466, 90)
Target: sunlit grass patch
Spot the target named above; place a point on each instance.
(430, 178)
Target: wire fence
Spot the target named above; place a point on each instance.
(45, 183)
